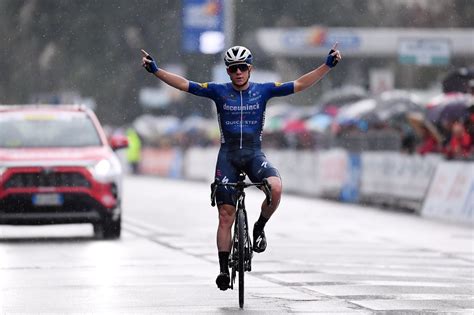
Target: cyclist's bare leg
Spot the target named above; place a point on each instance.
(259, 239)
(224, 243)
(226, 219)
(275, 182)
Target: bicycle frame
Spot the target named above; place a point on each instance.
(234, 258)
(241, 243)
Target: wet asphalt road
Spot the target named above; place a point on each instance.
(323, 257)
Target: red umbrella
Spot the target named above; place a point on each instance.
(295, 126)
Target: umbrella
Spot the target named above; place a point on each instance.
(194, 124)
(331, 110)
(396, 107)
(274, 123)
(319, 122)
(447, 98)
(285, 117)
(390, 110)
(342, 96)
(275, 116)
(356, 110)
(295, 126)
(448, 107)
(152, 127)
(453, 112)
(278, 110)
(167, 125)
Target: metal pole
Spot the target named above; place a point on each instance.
(229, 23)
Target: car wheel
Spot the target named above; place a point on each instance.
(111, 229)
(108, 229)
(98, 230)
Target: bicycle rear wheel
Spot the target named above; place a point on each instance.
(241, 265)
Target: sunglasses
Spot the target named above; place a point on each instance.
(242, 67)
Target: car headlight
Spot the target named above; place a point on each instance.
(105, 170)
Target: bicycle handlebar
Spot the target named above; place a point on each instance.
(241, 185)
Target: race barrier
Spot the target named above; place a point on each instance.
(162, 162)
(200, 163)
(350, 191)
(451, 193)
(297, 170)
(396, 179)
(428, 185)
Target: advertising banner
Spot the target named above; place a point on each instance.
(397, 175)
(412, 45)
(332, 171)
(350, 189)
(201, 18)
(200, 163)
(451, 193)
(162, 162)
(298, 170)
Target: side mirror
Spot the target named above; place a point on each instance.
(118, 142)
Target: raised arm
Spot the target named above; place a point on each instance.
(310, 78)
(169, 78)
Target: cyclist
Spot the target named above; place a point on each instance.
(241, 113)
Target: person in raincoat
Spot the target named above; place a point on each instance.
(134, 150)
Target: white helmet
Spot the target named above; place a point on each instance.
(237, 54)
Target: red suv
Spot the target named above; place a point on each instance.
(57, 166)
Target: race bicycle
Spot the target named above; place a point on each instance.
(240, 258)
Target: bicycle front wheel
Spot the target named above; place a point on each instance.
(241, 266)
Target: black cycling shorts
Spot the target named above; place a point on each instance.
(230, 163)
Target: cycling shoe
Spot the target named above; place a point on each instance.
(223, 281)
(259, 241)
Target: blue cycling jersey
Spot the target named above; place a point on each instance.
(241, 114)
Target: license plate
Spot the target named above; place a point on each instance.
(48, 200)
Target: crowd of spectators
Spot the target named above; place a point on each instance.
(390, 122)
(452, 136)
(457, 144)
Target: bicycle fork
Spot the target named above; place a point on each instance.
(248, 253)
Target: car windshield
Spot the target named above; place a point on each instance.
(47, 129)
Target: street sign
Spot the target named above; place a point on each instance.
(425, 52)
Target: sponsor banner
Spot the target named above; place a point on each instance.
(439, 44)
(451, 193)
(372, 180)
(311, 41)
(350, 189)
(200, 163)
(389, 177)
(297, 169)
(162, 162)
(332, 171)
(396, 175)
(412, 175)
